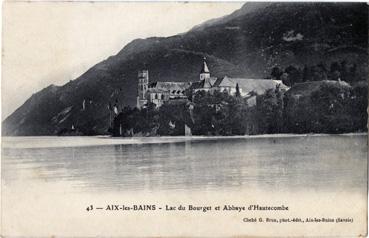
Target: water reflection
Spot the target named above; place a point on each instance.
(324, 162)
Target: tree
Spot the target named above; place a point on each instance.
(276, 73)
(335, 71)
(306, 76)
(330, 109)
(344, 70)
(318, 73)
(135, 120)
(202, 113)
(238, 94)
(325, 109)
(219, 113)
(293, 75)
(172, 119)
(269, 109)
(358, 106)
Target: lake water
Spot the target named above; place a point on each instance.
(47, 183)
(323, 162)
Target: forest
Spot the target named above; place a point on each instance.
(338, 71)
(308, 107)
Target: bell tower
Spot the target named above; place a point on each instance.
(143, 84)
(205, 73)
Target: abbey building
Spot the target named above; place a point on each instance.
(158, 92)
(162, 92)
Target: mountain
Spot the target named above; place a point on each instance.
(246, 43)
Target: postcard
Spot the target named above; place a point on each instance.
(184, 119)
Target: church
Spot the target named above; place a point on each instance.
(162, 92)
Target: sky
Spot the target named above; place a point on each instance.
(54, 42)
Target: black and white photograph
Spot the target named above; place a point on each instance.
(184, 119)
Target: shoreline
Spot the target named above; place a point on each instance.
(28, 142)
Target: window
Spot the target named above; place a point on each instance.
(156, 96)
(162, 97)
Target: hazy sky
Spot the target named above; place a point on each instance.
(51, 43)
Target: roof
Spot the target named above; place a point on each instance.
(209, 82)
(169, 86)
(177, 101)
(197, 84)
(225, 82)
(204, 68)
(258, 86)
(306, 88)
(206, 83)
(156, 90)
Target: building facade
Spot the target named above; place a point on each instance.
(143, 84)
(162, 92)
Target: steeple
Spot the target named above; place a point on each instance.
(205, 68)
(205, 73)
